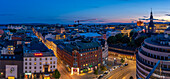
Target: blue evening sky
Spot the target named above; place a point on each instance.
(67, 11)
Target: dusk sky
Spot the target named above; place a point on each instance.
(67, 11)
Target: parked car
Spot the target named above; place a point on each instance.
(106, 72)
(100, 76)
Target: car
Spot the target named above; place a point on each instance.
(106, 72)
(100, 76)
(126, 64)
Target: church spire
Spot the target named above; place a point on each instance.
(151, 24)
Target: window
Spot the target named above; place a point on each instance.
(35, 59)
(30, 71)
(54, 66)
(50, 58)
(30, 63)
(13, 57)
(35, 63)
(81, 55)
(34, 67)
(25, 63)
(25, 67)
(34, 71)
(25, 71)
(1, 56)
(25, 59)
(40, 59)
(50, 62)
(50, 66)
(45, 58)
(29, 67)
(5, 57)
(40, 63)
(30, 59)
(40, 67)
(54, 62)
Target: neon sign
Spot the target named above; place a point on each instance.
(38, 54)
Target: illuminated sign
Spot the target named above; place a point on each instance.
(38, 54)
(11, 77)
(28, 73)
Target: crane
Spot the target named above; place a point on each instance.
(84, 20)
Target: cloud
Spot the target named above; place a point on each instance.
(167, 14)
(145, 16)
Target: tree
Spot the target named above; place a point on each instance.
(111, 40)
(131, 77)
(13, 30)
(122, 60)
(131, 43)
(132, 33)
(118, 37)
(56, 74)
(103, 68)
(139, 40)
(125, 39)
(96, 71)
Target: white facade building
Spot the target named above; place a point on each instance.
(39, 63)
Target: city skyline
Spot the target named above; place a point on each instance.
(66, 12)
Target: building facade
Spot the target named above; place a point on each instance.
(152, 50)
(80, 55)
(39, 65)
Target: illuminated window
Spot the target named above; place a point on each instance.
(11, 48)
(54, 62)
(30, 59)
(40, 63)
(50, 58)
(35, 59)
(83, 64)
(50, 62)
(25, 59)
(86, 64)
(35, 63)
(40, 58)
(95, 55)
(50, 66)
(150, 28)
(45, 62)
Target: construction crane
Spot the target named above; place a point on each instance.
(78, 21)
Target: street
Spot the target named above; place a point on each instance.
(119, 73)
(123, 72)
